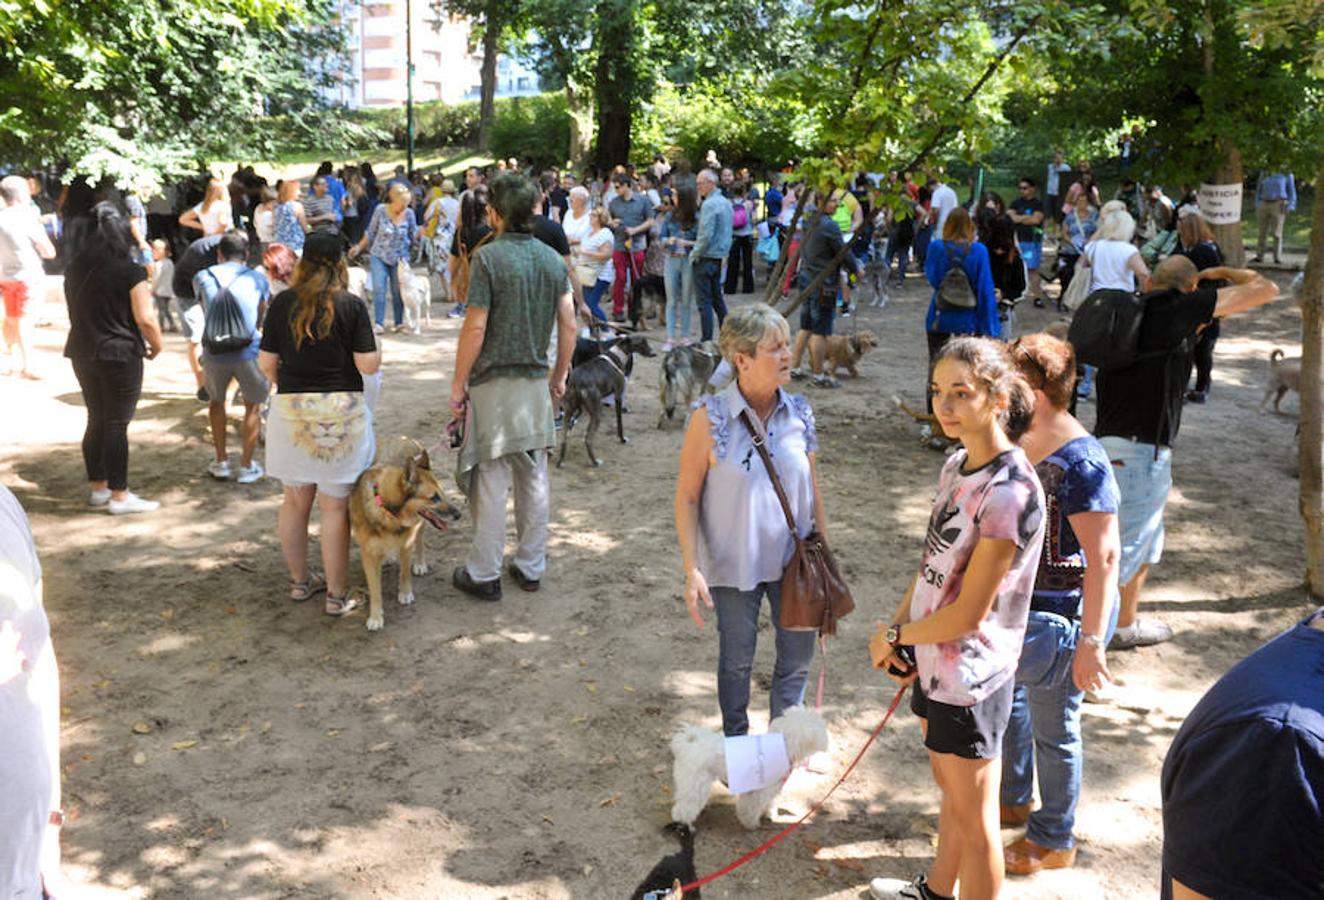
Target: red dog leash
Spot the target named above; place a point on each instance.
(762, 848)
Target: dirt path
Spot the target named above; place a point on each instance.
(520, 749)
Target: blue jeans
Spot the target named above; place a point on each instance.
(707, 278)
(1044, 731)
(384, 273)
(738, 628)
(593, 298)
(680, 295)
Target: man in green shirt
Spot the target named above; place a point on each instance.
(504, 389)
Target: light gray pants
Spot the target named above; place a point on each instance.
(490, 484)
(1269, 214)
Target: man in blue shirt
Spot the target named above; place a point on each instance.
(1243, 783)
(1275, 197)
(711, 246)
(252, 291)
(335, 188)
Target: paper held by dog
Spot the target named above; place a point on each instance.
(755, 761)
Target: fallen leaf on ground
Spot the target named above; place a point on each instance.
(853, 865)
(610, 801)
(139, 758)
(183, 745)
(378, 748)
(142, 728)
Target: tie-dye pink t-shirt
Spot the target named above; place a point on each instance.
(1000, 500)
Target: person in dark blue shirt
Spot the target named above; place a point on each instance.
(1243, 783)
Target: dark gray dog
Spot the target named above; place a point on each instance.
(602, 376)
(685, 374)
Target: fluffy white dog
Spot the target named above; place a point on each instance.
(700, 760)
(416, 291)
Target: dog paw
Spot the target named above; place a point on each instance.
(595, 462)
(625, 440)
(406, 598)
(375, 623)
(419, 568)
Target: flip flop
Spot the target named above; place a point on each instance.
(343, 606)
(302, 590)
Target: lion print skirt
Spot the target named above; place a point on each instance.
(319, 438)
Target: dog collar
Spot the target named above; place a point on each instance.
(377, 498)
(611, 360)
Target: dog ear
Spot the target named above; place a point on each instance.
(411, 470)
(423, 460)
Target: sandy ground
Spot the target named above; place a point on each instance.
(520, 749)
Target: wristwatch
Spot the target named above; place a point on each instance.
(1093, 640)
(893, 634)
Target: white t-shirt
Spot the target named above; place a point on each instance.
(217, 218)
(594, 244)
(264, 223)
(576, 227)
(20, 233)
(1108, 269)
(29, 710)
(944, 201)
(162, 278)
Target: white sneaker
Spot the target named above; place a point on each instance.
(1140, 633)
(250, 474)
(898, 889)
(99, 498)
(220, 469)
(132, 503)
(377, 329)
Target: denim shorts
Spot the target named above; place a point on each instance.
(1143, 482)
(1032, 251)
(817, 316)
(970, 732)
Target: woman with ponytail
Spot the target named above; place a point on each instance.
(317, 348)
(964, 616)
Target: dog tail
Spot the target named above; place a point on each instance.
(670, 374)
(1275, 356)
(917, 416)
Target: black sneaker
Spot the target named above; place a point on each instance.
(479, 590)
(1196, 396)
(203, 396)
(525, 582)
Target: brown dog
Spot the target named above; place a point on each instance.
(844, 351)
(387, 509)
(1284, 376)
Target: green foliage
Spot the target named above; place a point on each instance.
(533, 128)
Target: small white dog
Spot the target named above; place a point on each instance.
(360, 284)
(416, 291)
(700, 760)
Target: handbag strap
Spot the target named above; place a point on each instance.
(756, 434)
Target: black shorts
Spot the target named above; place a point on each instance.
(971, 732)
(817, 314)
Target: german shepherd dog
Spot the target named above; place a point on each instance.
(602, 376)
(685, 374)
(387, 509)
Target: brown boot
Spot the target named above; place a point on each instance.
(1015, 815)
(1025, 857)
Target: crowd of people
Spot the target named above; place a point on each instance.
(1042, 532)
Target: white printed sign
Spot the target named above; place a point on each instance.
(1220, 204)
(755, 761)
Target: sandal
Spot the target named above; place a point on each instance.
(302, 590)
(343, 606)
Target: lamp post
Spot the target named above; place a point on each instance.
(409, 88)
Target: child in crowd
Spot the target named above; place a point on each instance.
(163, 271)
(965, 612)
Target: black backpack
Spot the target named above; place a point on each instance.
(1105, 330)
(224, 329)
(955, 293)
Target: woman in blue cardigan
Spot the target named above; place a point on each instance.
(958, 238)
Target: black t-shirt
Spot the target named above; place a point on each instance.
(1205, 255)
(551, 234)
(559, 198)
(318, 366)
(470, 238)
(101, 323)
(1133, 400)
(200, 255)
(1028, 206)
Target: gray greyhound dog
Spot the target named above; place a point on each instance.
(600, 377)
(685, 374)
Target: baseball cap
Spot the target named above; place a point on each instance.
(324, 246)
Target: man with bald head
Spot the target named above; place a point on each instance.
(1140, 409)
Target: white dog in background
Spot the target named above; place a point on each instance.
(700, 761)
(416, 290)
(360, 284)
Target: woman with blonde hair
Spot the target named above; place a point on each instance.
(214, 215)
(1112, 262)
(317, 346)
(291, 225)
(390, 234)
(734, 539)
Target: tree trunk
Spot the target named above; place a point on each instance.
(1229, 236)
(578, 149)
(614, 82)
(1311, 441)
(487, 83)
